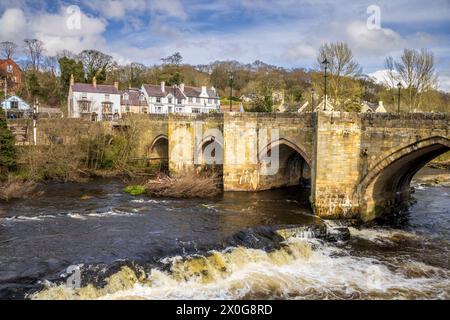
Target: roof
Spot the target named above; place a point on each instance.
(155, 91)
(100, 88)
(133, 97)
(9, 61)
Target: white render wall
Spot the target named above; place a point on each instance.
(185, 107)
(96, 103)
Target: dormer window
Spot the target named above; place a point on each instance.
(125, 97)
(170, 100)
(142, 97)
(84, 96)
(106, 97)
(9, 68)
(158, 100)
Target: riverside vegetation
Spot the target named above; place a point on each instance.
(74, 152)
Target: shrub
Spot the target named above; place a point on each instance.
(135, 190)
(187, 186)
(16, 188)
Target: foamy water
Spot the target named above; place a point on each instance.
(302, 269)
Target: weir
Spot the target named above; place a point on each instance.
(358, 165)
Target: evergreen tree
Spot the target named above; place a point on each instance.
(7, 146)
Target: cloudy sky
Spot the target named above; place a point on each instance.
(282, 32)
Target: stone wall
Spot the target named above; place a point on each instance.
(187, 133)
(358, 164)
(363, 163)
(336, 164)
(251, 136)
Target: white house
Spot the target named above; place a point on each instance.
(15, 103)
(367, 107)
(94, 101)
(180, 99)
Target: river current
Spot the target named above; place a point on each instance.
(264, 245)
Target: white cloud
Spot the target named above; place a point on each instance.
(52, 29)
(12, 24)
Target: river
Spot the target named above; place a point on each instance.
(223, 248)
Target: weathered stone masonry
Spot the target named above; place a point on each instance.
(358, 164)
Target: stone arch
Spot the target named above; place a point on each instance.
(388, 182)
(288, 143)
(217, 151)
(294, 165)
(159, 148)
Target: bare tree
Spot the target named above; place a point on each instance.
(416, 71)
(96, 64)
(8, 49)
(34, 49)
(391, 78)
(175, 59)
(342, 67)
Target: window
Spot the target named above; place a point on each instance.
(84, 96)
(107, 108)
(196, 110)
(158, 109)
(141, 97)
(197, 100)
(85, 107)
(9, 68)
(209, 101)
(180, 110)
(125, 97)
(14, 104)
(190, 99)
(158, 100)
(170, 100)
(106, 97)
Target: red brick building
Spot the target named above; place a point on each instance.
(12, 70)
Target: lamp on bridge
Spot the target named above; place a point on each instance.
(399, 86)
(325, 63)
(231, 78)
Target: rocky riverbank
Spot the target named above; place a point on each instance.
(433, 177)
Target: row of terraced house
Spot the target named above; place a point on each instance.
(99, 102)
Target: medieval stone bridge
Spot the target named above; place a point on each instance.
(358, 164)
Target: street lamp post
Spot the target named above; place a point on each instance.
(231, 78)
(399, 86)
(312, 99)
(325, 63)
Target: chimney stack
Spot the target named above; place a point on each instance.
(163, 86)
(94, 82)
(182, 87)
(116, 85)
(204, 90)
(72, 80)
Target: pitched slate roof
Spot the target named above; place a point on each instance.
(100, 88)
(155, 91)
(133, 97)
